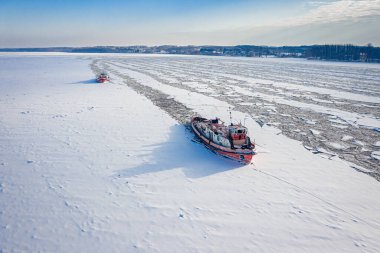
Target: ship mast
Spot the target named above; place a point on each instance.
(230, 115)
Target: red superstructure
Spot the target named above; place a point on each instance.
(230, 141)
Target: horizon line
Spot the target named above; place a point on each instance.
(203, 45)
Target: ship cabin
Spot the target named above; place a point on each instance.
(238, 134)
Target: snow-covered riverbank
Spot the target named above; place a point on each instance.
(98, 167)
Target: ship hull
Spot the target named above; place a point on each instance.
(101, 80)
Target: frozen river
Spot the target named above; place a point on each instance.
(88, 167)
(332, 108)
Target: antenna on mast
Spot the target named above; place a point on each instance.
(246, 117)
(230, 115)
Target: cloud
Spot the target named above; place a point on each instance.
(339, 22)
(360, 31)
(272, 23)
(335, 11)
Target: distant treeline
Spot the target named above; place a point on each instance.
(347, 52)
(240, 50)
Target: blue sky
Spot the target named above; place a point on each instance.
(40, 23)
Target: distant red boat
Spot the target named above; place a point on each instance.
(231, 141)
(102, 78)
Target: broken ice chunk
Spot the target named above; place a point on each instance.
(347, 138)
(314, 132)
(376, 155)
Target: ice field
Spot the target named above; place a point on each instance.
(87, 167)
(333, 108)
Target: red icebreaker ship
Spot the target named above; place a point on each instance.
(231, 141)
(102, 78)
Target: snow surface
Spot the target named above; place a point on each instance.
(88, 167)
(258, 87)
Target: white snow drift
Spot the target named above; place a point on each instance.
(98, 168)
